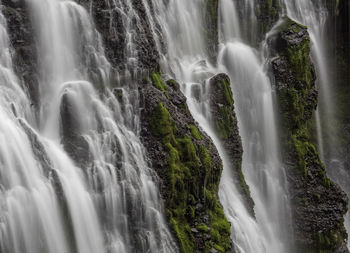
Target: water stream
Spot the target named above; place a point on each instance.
(108, 200)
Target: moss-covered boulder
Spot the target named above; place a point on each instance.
(225, 123)
(189, 168)
(318, 205)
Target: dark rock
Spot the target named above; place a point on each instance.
(21, 32)
(267, 13)
(226, 126)
(318, 205)
(111, 24)
(38, 149)
(188, 165)
(196, 91)
(74, 143)
(211, 14)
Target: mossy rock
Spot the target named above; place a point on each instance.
(315, 228)
(189, 167)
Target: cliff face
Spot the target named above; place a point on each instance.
(318, 205)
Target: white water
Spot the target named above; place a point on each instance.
(254, 107)
(53, 204)
(50, 203)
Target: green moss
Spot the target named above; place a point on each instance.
(243, 183)
(205, 158)
(299, 59)
(220, 228)
(158, 83)
(297, 101)
(183, 233)
(195, 133)
(202, 227)
(225, 83)
(326, 242)
(162, 125)
(224, 127)
(188, 184)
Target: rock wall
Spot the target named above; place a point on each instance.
(318, 205)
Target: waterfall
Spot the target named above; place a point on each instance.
(74, 176)
(254, 103)
(105, 197)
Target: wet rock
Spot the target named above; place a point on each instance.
(21, 32)
(225, 123)
(74, 143)
(118, 93)
(211, 14)
(267, 14)
(38, 149)
(188, 165)
(318, 205)
(111, 24)
(196, 91)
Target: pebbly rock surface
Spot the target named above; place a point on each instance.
(189, 168)
(318, 205)
(226, 126)
(24, 55)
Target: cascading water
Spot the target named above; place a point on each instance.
(252, 89)
(75, 178)
(256, 119)
(105, 202)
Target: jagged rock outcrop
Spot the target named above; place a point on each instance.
(21, 34)
(188, 165)
(112, 24)
(223, 114)
(318, 205)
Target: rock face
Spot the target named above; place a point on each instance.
(318, 205)
(21, 33)
(188, 165)
(112, 21)
(72, 140)
(267, 13)
(223, 114)
(211, 28)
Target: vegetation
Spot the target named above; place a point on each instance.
(192, 178)
(158, 83)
